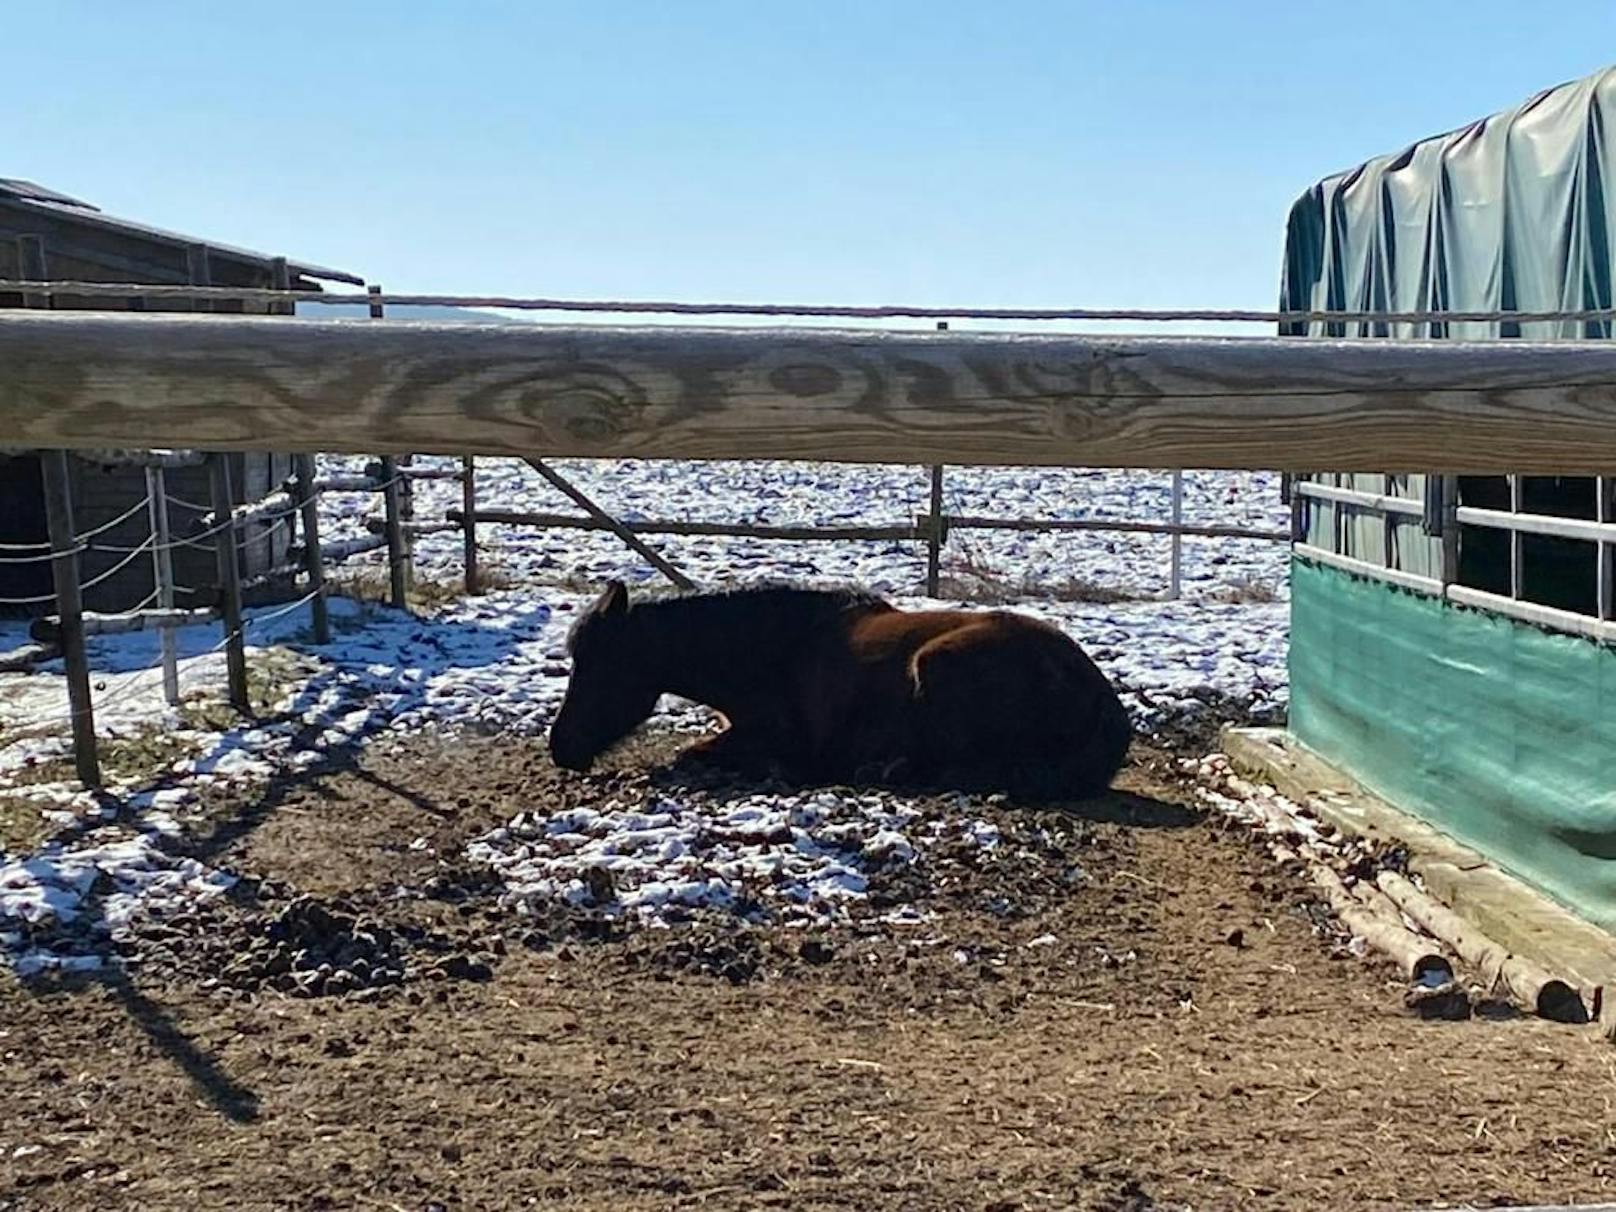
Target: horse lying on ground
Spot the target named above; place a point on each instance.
(831, 686)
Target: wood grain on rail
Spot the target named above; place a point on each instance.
(79, 379)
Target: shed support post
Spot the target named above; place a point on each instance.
(70, 610)
(163, 575)
(313, 561)
(224, 544)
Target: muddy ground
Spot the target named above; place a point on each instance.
(1176, 1025)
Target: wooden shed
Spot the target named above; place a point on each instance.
(48, 236)
(1451, 642)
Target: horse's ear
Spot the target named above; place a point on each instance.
(615, 599)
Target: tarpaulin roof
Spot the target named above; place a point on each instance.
(1510, 213)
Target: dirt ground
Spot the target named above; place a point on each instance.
(1174, 1029)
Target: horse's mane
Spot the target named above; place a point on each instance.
(764, 593)
(747, 611)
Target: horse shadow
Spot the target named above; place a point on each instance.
(1115, 807)
(332, 715)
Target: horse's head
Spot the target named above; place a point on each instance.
(608, 694)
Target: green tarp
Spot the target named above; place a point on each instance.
(1509, 213)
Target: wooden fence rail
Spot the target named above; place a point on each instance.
(86, 379)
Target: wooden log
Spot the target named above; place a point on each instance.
(58, 483)
(277, 505)
(1419, 959)
(745, 530)
(342, 549)
(1529, 986)
(229, 583)
(24, 657)
(48, 630)
(313, 559)
(414, 529)
(88, 379)
(339, 483)
(468, 522)
(576, 495)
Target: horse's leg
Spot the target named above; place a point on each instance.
(1013, 709)
(957, 715)
(741, 748)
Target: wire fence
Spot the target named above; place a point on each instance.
(375, 299)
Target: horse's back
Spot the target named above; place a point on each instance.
(1020, 701)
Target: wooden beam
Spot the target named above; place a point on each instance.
(641, 548)
(78, 379)
(567, 521)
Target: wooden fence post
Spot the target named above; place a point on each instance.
(398, 551)
(224, 543)
(1175, 571)
(468, 520)
(31, 263)
(309, 511)
(1450, 530)
(70, 610)
(934, 534)
(163, 574)
(398, 583)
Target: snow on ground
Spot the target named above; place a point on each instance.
(497, 663)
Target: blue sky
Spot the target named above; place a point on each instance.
(1130, 153)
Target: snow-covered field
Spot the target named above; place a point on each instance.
(497, 663)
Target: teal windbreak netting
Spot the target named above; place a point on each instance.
(1499, 734)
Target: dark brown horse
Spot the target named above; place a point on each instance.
(838, 686)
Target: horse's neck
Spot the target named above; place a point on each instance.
(704, 651)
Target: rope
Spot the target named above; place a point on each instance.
(143, 503)
(883, 312)
(90, 584)
(33, 601)
(119, 566)
(40, 559)
(184, 504)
